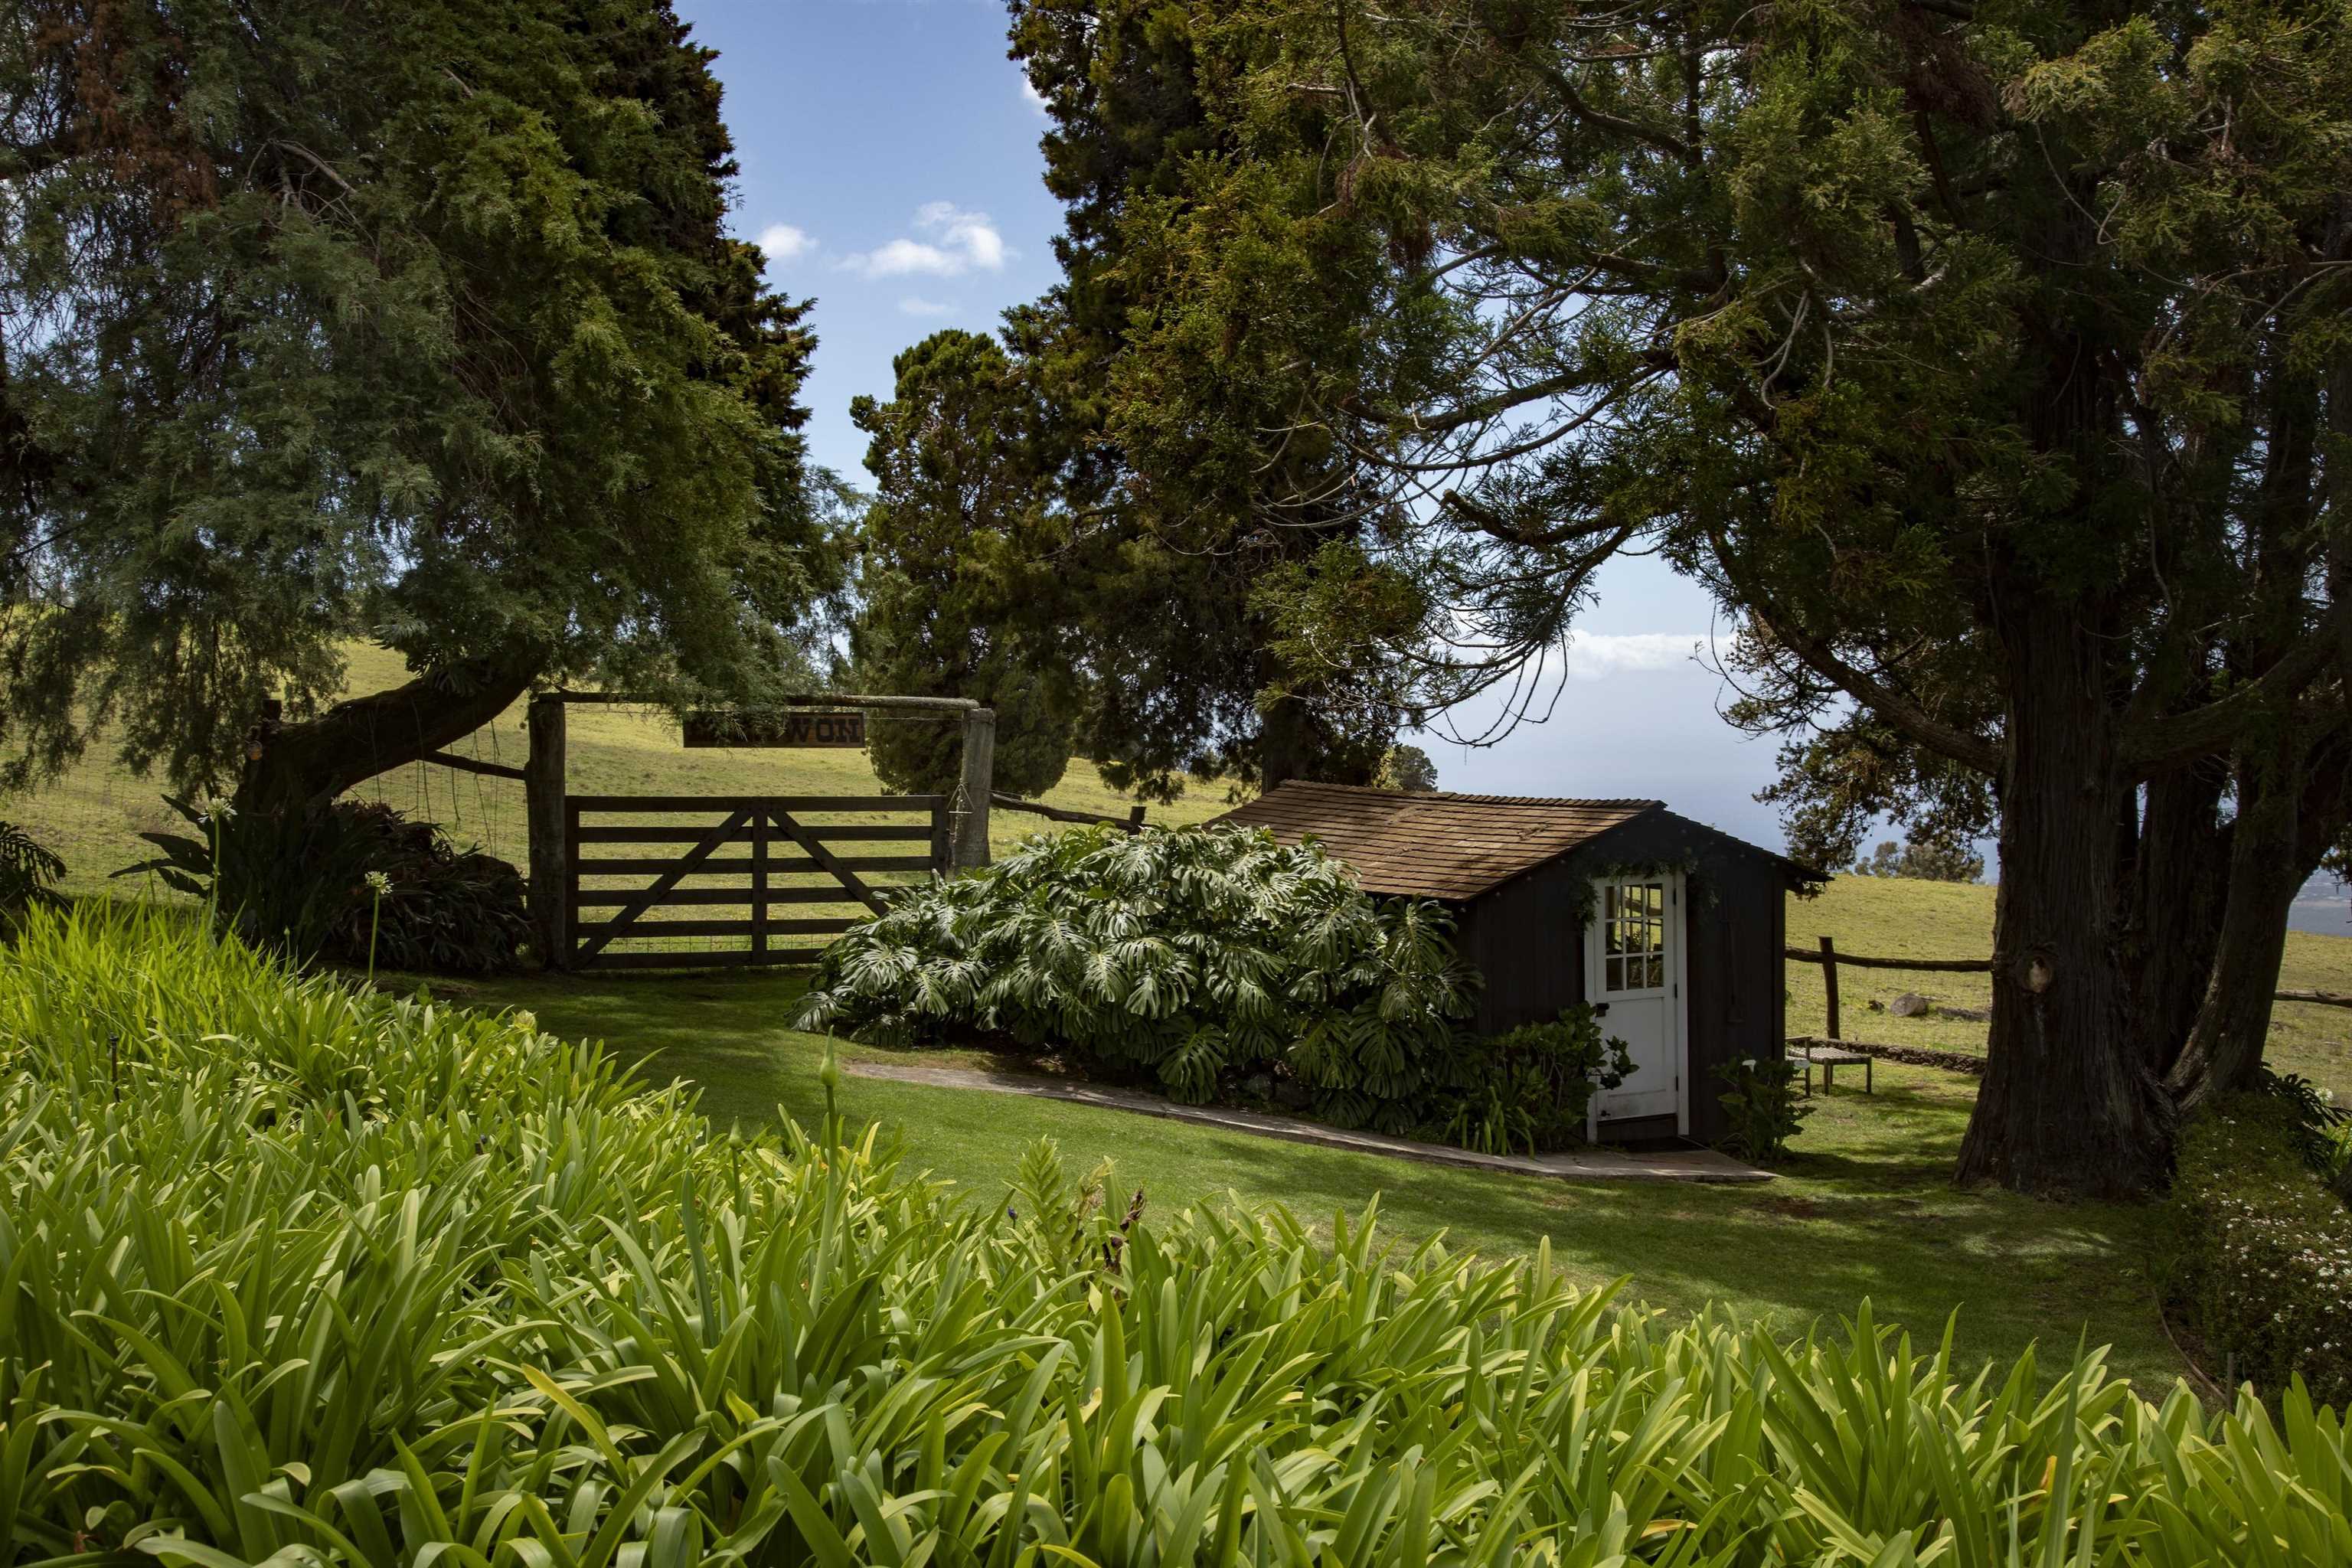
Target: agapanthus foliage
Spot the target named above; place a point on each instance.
(311, 1276)
(1193, 954)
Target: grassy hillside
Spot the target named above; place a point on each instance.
(93, 815)
(1896, 918)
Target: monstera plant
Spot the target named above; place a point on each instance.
(1194, 955)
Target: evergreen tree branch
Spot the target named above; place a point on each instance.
(1892, 705)
(2157, 745)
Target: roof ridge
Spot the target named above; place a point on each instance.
(1619, 803)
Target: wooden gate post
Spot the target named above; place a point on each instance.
(1829, 985)
(943, 840)
(543, 790)
(973, 789)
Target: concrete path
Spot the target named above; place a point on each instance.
(1576, 1165)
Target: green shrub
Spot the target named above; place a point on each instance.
(449, 912)
(1527, 1088)
(1197, 954)
(2264, 1267)
(2317, 1125)
(303, 1275)
(299, 882)
(1761, 1107)
(29, 870)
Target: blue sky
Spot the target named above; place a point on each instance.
(890, 166)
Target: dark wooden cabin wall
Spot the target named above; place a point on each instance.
(1527, 938)
(1524, 939)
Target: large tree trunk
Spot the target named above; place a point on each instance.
(2284, 822)
(1284, 742)
(2179, 879)
(2225, 1046)
(2291, 805)
(292, 766)
(2071, 1105)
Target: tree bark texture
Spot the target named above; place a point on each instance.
(1282, 742)
(2179, 877)
(2070, 1106)
(2225, 1046)
(2291, 797)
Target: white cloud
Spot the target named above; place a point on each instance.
(1030, 95)
(955, 242)
(916, 305)
(901, 258)
(785, 242)
(1595, 656)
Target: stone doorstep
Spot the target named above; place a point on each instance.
(1703, 1165)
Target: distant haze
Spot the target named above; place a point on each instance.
(1629, 710)
(2325, 905)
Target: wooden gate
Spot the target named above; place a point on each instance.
(743, 856)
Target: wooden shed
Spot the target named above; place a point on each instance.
(1674, 929)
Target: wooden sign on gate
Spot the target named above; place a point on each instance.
(716, 729)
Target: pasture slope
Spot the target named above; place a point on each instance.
(1898, 918)
(94, 814)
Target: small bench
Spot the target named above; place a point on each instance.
(1829, 1058)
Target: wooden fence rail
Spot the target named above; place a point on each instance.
(781, 842)
(1829, 954)
(1831, 960)
(1132, 823)
(2324, 998)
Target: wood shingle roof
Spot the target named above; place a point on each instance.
(1438, 845)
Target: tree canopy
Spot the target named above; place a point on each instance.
(957, 571)
(1924, 860)
(1988, 362)
(411, 323)
(1173, 545)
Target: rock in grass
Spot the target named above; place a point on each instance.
(1911, 1005)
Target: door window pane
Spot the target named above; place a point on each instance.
(1633, 936)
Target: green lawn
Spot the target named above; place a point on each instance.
(1865, 1210)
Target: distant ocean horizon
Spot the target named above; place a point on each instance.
(2325, 905)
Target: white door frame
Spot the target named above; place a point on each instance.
(1677, 964)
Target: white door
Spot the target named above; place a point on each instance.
(1633, 969)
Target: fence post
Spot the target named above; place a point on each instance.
(543, 818)
(759, 886)
(973, 789)
(1828, 984)
(942, 837)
